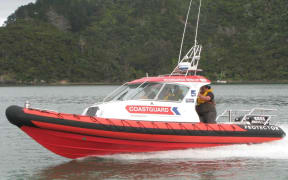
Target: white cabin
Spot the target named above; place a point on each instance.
(163, 98)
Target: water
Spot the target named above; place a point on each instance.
(23, 158)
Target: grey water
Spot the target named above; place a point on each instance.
(22, 158)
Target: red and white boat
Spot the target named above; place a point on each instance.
(144, 115)
(131, 121)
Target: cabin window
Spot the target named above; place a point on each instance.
(173, 92)
(122, 93)
(147, 91)
(115, 94)
(129, 91)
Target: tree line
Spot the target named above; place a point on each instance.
(111, 41)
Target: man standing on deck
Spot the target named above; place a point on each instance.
(206, 105)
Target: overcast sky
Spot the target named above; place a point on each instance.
(7, 7)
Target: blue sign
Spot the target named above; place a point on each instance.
(193, 93)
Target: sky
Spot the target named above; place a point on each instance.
(7, 7)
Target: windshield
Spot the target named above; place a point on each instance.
(149, 91)
(122, 92)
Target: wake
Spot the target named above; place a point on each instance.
(270, 150)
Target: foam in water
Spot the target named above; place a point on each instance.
(270, 150)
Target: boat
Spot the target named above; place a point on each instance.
(221, 81)
(141, 124)
(145, 115)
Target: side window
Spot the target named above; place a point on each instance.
(128, 92)
(172, 92)
(149, 91)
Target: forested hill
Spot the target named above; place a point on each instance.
(118, 40)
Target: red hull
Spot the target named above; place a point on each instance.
(75, 145)
(75, 136)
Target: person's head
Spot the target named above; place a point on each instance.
(176, 89)
(167, 90)
(207, 87)
(204, 88)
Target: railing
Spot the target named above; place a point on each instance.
(189, 63)
(253, 116)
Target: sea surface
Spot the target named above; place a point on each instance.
(22, 158)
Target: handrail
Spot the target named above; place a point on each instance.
(248, 113)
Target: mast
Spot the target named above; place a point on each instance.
(189, 63)
(184, 31)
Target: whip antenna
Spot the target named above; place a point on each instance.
(196, 33)
(189, 63)
(187, 16)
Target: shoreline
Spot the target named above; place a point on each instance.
(10, 84)
(58, 84)
(251, 82)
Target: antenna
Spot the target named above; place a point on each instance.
(196, 33)
(189, 63)
(187, 17)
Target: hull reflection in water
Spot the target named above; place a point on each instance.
(90, 168)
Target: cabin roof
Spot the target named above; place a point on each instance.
(173, 79)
